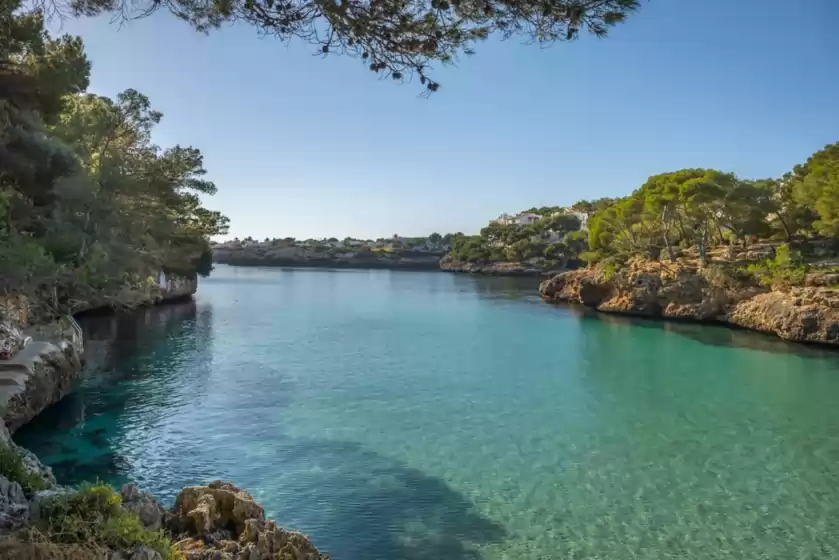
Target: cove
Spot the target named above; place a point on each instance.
(408, 415)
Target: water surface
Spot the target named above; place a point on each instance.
(408, 415)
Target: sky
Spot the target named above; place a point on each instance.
(303, 146)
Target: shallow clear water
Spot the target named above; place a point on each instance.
(399, 415)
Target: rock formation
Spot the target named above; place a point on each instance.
(682, 290)
(222, 522)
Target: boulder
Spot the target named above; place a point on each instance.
(14, 507)
(222, 522)
(219, 505)
(151, 514)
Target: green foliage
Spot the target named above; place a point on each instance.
(470, 249)
(393, 38)
(13, 467)
(703, 208)
(93, 515)
(816, 185)
(88, 204)
(609, 267)
(787, 268)
(545, 238)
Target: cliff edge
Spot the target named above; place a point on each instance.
(807, 312)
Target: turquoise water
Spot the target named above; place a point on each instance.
(402, 415)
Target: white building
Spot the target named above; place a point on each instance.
(583, 217)
(521, 219)
(526, 218)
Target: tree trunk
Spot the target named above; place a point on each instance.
(785, 226)
(703, 245)
(665, 230)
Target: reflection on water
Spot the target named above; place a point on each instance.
(400, 415)
(120, 349)
(711, 334)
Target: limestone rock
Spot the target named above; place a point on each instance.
(680, 290)
(144, 505)
(141, 552)
(11, 340)
(229, 506)
(35, 377)
(14, 507)
(221, 521)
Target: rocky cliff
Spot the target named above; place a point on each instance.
(682, 290)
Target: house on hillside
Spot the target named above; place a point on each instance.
(520, 219)
(582, 216)
(526, 218)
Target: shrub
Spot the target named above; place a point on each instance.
(13, 467)
(591, 257)
(721, 277)
(786, 269)
(611, 265)
(93, 516)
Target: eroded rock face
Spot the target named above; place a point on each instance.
(808, 313)
(151, 513)
(34, 378)
(222, 522)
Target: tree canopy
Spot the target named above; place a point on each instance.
(702, 207)
(553, 239)
(88, 204)
(395, 38)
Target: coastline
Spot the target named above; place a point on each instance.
(218, 521)
(334, 264)
(440, 265)
(682, 292)
(495, 268)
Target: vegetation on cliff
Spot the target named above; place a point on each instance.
(704, 208)
(88, 204)
(706, 245)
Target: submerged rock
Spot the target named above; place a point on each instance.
(681, 290)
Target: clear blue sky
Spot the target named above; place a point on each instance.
(305, 147)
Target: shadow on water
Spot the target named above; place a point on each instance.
(354, 503)
(368, 506)
(498, 287)
(75, 435)
(710, 334)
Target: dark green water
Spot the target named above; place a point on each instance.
(398, 415)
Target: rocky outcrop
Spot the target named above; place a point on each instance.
(491, 268)
(222, 522)
(40, 373)
(682, 290)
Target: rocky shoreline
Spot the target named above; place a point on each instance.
(447, 264)
(218, 521)
(683, 290)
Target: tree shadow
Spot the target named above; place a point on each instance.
(358, 504)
